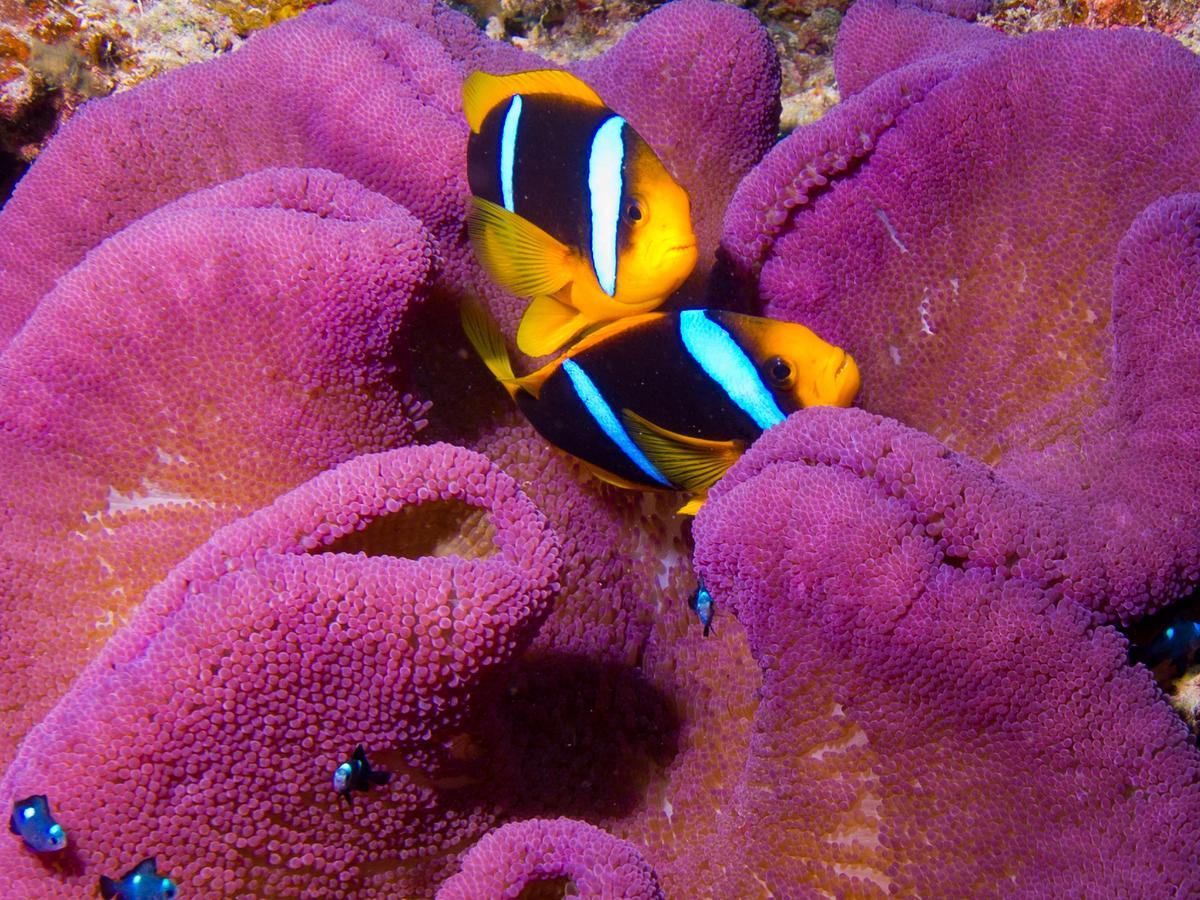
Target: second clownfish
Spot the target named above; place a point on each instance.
(669, 401)
(571, 206)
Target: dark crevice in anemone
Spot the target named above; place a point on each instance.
(434, 528)
(1168, 642)
(35, 124)
(11, 170)
(467, 399)
(563, 735)
(549, 889)
(732, 287)
(954, 561)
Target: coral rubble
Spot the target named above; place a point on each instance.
(54, 56)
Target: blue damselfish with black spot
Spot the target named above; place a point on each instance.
(701, 603)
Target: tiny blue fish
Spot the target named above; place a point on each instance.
(142, 882)
(1177, 647)
(357, 775)
(32, 822)
(701, 604)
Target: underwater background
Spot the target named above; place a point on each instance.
(261, 504)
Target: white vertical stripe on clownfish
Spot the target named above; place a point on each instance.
(508, 150)
(720, 356)
(605, 187)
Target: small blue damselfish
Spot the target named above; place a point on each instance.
(32, 821)
(356, 774)
(142, 882)
(701, 604)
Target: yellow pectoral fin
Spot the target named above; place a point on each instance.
(547, 325)
(483, 92)
(692, 463)
(692, 506)
(520, 256)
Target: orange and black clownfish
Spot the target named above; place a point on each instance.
(571, 206)
(669, 401)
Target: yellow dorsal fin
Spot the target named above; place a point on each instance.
(521, 257)
(692, 463)
(547, 325)
(537, 378)
(483, 92)
(484, 335)
(534, 380)
(608, 329)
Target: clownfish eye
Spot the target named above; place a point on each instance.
(633, 211)
(779, 371)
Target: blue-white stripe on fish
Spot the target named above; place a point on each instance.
(508, 150)
(720, 356)
(604, 416)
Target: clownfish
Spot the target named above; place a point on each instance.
(701, 603)
(32, 822)
(571, 206)
(670, 400)
(356, 774)
(142, 882)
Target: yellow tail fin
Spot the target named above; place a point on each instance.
(484, 335)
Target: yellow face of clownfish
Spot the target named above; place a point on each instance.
(794, 364)
(571, 206)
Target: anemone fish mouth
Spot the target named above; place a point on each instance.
(845, 379)
(841, 366)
